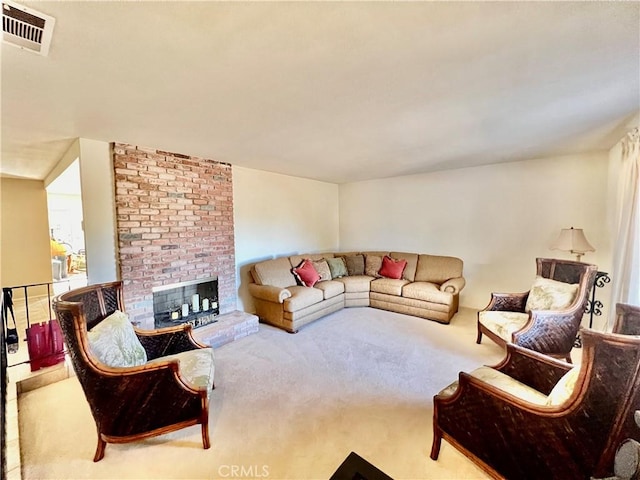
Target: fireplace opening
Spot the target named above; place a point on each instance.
(194, 302)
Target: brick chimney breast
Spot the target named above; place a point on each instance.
(174, 216)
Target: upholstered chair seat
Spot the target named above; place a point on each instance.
(503, 324)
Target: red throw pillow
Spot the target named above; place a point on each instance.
(306, 273)
(392, 268)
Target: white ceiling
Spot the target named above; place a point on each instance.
(336, 91)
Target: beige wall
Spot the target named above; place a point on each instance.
(497, 218)
(25, 250)
(277, 215)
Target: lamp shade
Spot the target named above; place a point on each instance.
(572, 240)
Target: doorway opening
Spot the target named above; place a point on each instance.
(68, 259)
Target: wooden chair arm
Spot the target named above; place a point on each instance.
(534, 369)
(507, 302)
(168, 341)
(550, 331)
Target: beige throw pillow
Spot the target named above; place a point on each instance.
(355, 264)
(322, 267)
(372, 264)
(547, 294)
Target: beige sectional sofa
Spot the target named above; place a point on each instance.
(429, 288)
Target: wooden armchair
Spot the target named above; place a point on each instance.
(572, 435)
(553, 330)
(129, 403)
(627, 319)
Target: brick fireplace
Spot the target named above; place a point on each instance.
(174, 224)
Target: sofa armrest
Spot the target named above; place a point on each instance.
(453, 285)
(269, 293)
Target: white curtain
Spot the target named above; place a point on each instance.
(626, 260)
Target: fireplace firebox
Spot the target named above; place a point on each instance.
(194, 302)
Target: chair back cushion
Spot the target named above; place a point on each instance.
(547, 294)
(564, 388)
(114, 342)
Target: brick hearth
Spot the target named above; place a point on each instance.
(174, 223)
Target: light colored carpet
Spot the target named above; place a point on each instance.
(285, 407)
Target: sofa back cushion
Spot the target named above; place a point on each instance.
(412, 264)
(437, 268)
(379, 253)
(296, 260)
(276, 272)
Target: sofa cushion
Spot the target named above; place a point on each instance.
(547, 294)
(355, 264)
(412, 264)
(322, 267)
(429, 292)
(390, 286)
(337, 267)
(437, 269)
(372, 264)
(356, 283)
(330, 288)
(306, 273)
(114, 342)
(503, 324)
(302, 297)
(276, 272)
(392, 268)
(197, 367)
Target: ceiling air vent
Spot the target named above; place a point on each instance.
(26, 28)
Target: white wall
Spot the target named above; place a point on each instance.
(497, 218)
(70, 156)
(98, 203)
(278, 215)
